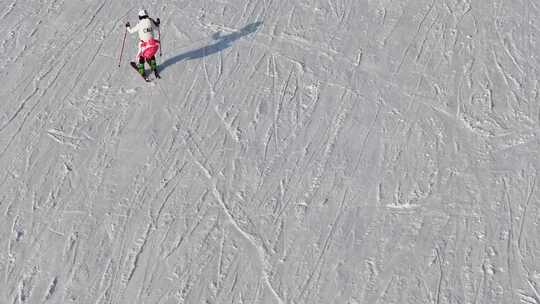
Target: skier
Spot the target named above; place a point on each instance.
(148, 45)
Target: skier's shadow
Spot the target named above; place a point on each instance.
(222, 43)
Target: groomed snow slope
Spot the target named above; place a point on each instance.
(299, 151)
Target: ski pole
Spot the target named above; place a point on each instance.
(160, 42)
(122, 51)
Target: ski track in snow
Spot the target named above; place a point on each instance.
(326, 151)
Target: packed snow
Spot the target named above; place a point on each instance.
(299, 151)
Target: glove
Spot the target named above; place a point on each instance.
(158, 21)
(127, 24)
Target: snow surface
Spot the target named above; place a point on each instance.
(295, 151)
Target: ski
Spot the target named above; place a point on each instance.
(134, 65)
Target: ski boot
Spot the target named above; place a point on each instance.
(140, 69)
(153, 66)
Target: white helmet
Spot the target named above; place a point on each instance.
(143, 13)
